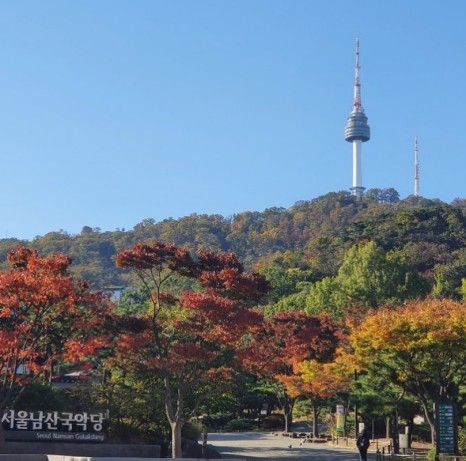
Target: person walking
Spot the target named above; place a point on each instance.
(363, 442)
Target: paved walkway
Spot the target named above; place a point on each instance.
(256, 445)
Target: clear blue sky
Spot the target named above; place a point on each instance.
(115, 111)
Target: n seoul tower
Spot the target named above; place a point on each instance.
(357, 130)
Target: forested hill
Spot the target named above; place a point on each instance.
(311, 234)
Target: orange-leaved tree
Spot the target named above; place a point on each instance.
(187, 337)
(284, 340)
(45, 316)
(320, 381)
(420, 346)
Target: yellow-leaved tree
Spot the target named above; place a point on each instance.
(321, 381)
(420, 346)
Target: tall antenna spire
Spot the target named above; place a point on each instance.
(357, 130)
(357, 105)
(416, 168)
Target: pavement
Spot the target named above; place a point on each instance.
(250, 446)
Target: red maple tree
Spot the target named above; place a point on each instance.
(284, 340)
(187, 337)
(45, 316)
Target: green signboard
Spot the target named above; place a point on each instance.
(445, 417)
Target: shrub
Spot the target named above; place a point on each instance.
(216, 421)
(192, 430)
(240, 425)
(274, 421)
(462, 440)
(431, 454)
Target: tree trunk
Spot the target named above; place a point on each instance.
(175, 416)
(315, 426)
(410, 430)
(288, 421)
(176, 439)
(288, 404)
(430, 420)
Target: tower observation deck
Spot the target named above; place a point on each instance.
(357, 130)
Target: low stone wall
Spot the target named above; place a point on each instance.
(23, 458)
(95, 450)
(93, 458)
(16, 457)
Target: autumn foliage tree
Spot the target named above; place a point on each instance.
(320, 381)
(45, 316)
(420, 347)
(187, 338)
(283, 341)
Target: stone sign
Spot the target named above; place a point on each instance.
(53, 426)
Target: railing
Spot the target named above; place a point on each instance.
(384, 451)
(381, 455)
(376, 444)
(443, 457)
(392, 457)
(343, 441)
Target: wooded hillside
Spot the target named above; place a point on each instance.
(313, 235)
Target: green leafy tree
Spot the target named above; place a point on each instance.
(132, 400)
(449, 275)
(390, 195)
(325, 296)
(368, 278)
(463, 289)
(378, 399)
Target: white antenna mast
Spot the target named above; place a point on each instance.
(416, 168)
